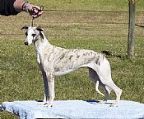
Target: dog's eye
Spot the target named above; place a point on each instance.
(33, 35)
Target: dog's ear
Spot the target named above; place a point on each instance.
(39, 28)
(24, 27)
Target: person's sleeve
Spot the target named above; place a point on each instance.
(7, 8)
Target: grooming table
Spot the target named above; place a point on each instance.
(74, 109)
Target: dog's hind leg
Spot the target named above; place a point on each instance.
(96, 87)
(117, 91)
(104, 73)
(107, 93)
(93, 75)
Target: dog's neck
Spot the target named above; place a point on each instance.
(41, 43)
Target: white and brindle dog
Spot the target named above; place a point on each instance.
(54, 61)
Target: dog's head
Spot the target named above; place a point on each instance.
(32, 34)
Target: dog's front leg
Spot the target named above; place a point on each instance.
(49, 93)
(49, 89)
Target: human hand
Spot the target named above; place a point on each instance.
(34, 11)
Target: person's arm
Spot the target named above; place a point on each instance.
(13, 7)
(23, 5)
(7, 8)
(18, 5)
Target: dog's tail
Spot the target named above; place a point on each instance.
(109, 53)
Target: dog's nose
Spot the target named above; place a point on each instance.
(26, 43)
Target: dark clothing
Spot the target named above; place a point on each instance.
(7, 8)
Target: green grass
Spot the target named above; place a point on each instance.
(20, 78)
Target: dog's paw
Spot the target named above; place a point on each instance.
(113, 105)
(47, 104)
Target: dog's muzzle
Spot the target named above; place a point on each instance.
(26, 43)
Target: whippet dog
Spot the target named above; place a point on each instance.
(55, 61)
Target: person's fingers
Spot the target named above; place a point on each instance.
(36, 11)
(36, 14)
